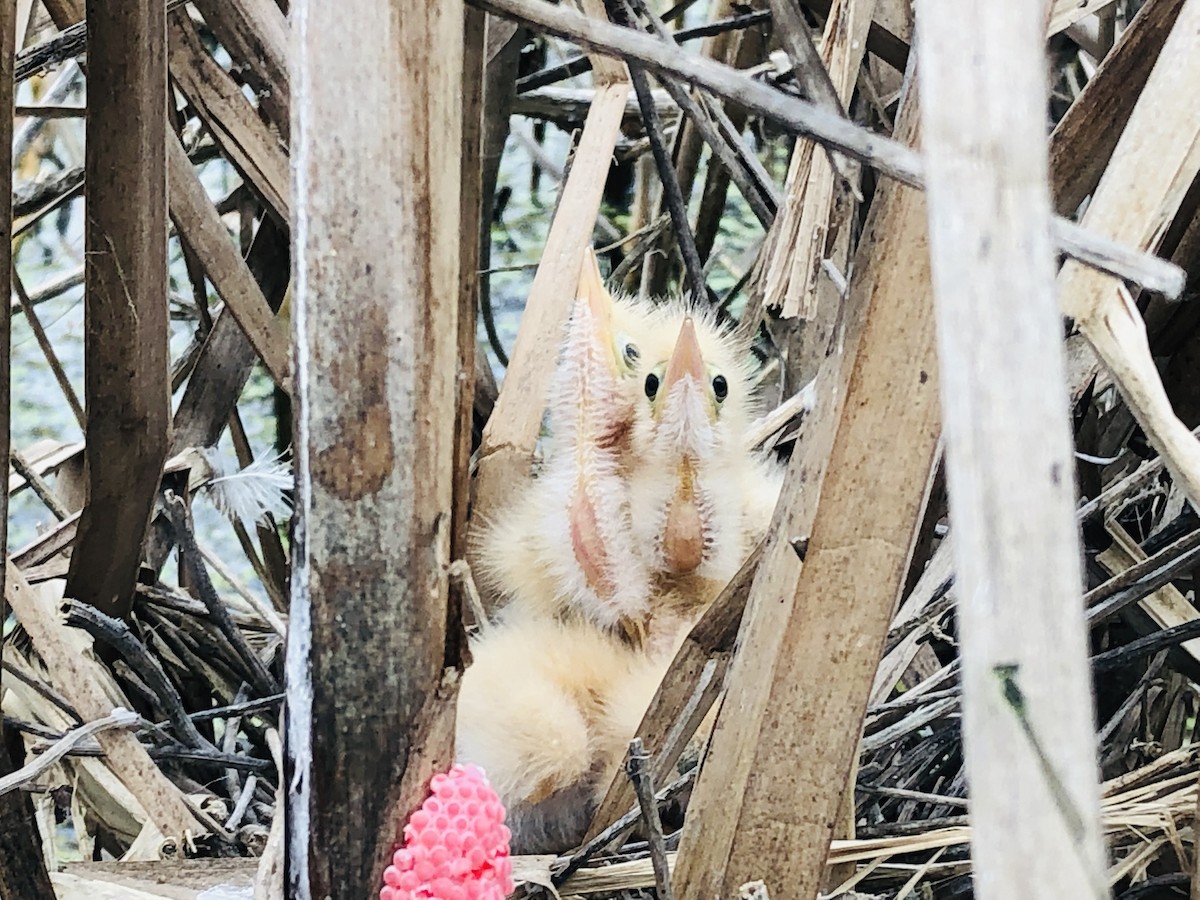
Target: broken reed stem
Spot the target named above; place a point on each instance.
(260, 679)
(1127, 487)
(461, 576)
(116, 634)
(571, 864)
(643, 787)
(1143, 578)
(800, 117)
(810, 71)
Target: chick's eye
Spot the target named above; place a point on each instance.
(720, 387)
(651, 385)
(631, 354)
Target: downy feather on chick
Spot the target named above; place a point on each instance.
(700, 496)
(649, 501)
(547, 709)
(563, 545)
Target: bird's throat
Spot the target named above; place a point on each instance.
(683, 534)
(589, 546)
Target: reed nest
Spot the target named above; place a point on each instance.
(756, 154)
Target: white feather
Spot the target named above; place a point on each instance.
(252, 493)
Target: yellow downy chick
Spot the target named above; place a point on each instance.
(564, 544)
(547, 710)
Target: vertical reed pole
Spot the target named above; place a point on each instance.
(772, 786)
(376, 137)
(126, 376)
(22, 868)
(1028, 725)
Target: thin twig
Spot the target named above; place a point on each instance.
(643, 787)
(120, 718)
(261, 680)
(256, 603)
(238, 709)
(676, 204)
(884, 154)
(577, 65)
(42, 689)
(40, 486)
(564, 868)
(47, 348)
(757, 189)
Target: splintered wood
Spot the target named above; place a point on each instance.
(126, 376)
(774, 780)
(370, 708)
(1028, 728)
(802, 230)
(1152, 167)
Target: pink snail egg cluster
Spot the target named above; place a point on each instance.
(455, 845)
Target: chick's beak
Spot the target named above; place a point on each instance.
(599, 303)
(686, 362)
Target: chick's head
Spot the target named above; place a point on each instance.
(689, 445)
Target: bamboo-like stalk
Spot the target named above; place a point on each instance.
(1027, 699)
(125, 270)
(782, 750)
(371, 709)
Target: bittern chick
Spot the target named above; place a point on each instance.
(564, 545)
